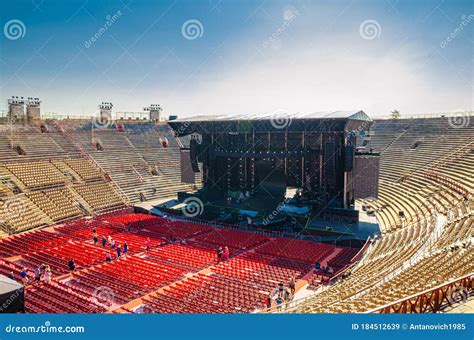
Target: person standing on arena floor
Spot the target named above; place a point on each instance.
(71, 265)
(47, 274)
(292, 285)
(287, 295)
(119, 251)
(148, 244)
(279, 301)
(125, 249)
(95, 237)
(226, 253)
(268, 301)
(104, 241)
(38, 273)
(281, 287)
(24, 277)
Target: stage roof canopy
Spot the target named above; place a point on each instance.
(278, 121)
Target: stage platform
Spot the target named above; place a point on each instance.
(367, 226)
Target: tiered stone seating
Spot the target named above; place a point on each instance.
(58, 204)
(140, 151)
(37, 174)
(19, 213)
(99, 195)
(84, 169)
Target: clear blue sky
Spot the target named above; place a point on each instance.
(247, 56)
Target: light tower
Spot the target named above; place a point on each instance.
(16, 108)
(154, 110)
(105, 114)
(33, 108)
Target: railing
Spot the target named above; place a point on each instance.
(431, 300)
(427, 115)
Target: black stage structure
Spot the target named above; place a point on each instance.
(249, 164)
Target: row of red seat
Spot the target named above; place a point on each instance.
(53, 297)
(146, 273)
(84, 230)
(235, 239)
(83, 254)
(190, 256)
(342, 258)
(261, 270)
(134, 219)
(177, 229)
(298, 250)
(207, 294)
(137, 242)
(105, 287)
(30, 242)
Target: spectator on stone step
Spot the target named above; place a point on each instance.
(104, 241)
(220, 251)
(108, 257)
(226, 253)
(112, 243)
